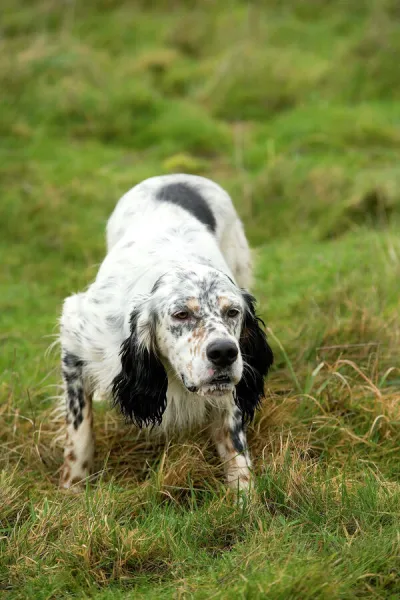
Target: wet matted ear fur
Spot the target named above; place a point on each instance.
(140, 389)
(257, 360)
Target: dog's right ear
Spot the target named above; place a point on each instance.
(140, 389)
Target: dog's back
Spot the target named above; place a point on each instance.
(156, 199)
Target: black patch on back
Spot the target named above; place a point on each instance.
(187, 197)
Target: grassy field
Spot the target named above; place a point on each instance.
(294, 107)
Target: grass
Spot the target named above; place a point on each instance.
(295, 108)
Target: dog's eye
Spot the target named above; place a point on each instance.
(232, 313)
(181, 315)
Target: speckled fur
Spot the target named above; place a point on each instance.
(120, 338)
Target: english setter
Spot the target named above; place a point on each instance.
(167, 329)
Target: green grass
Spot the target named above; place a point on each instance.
(294, 107)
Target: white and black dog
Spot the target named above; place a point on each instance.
(167, 330)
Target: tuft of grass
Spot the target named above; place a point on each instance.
(294, 108)
(283, 81)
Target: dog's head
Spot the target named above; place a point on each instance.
(201, 329)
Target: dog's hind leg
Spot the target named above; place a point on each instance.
(79, 445)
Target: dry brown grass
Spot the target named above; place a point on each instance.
(340, 399)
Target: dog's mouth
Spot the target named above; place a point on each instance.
(219, 385)
(220, 380)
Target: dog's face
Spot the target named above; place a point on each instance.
(198, 324)
(201, 329)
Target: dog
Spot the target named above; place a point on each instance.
(168, 330)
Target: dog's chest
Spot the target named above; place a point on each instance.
(186, 411)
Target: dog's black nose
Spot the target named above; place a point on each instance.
(222, 353)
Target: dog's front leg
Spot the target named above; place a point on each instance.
(230, 439)
(79, 445)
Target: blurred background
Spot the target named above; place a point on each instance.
(293, 106)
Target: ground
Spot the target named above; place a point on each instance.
(294, 107)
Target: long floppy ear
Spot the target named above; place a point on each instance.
(140, 389)
(257, 359)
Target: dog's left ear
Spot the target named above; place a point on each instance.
(257, 359)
